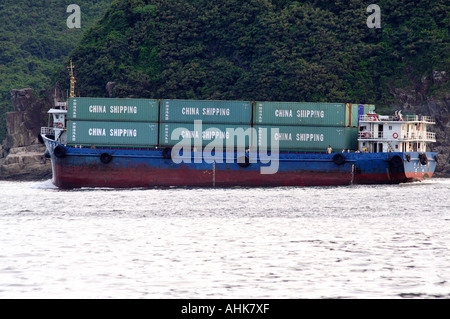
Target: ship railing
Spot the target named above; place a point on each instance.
(427, 119)
(61, 105)
(371, 135)
(367, 135)
(47, 131)
(431, 136)
(422, 136)
(404, 118)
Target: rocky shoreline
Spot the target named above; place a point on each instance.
(27, 163)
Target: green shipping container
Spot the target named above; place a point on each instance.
(307, 138)
(296, 113)
(121, 110)
(221, 112)
(355, 111)
(369, 108)
(126, 134)
(352, 115)
(227, 135)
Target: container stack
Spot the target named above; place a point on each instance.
(308, 127)
(150, 123)
(112, 122)
(199, 123)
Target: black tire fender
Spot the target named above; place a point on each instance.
(59, 151)
(423, 159)
(167, 153)
(105, 158)
(396, 161)
(339, 159)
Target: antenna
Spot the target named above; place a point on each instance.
(72, 80)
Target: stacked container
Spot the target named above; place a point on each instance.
(293, 113)
(307, 138)
(308, 127)
(147, 123)
(200, 123)
(113, 122)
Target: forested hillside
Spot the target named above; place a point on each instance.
(35, 42)
(262, 49)
(200, 49)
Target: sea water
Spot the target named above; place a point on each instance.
(388, 241)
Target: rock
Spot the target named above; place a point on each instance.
(37, 148)
(3, 152)
(26, 163)
(439, 77)
(21, 155)
(24, 124)
(22, 99)
(110, 88)
(18, 133)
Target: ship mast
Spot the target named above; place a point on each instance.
(72, 80)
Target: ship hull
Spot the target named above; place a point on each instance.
(128, 168)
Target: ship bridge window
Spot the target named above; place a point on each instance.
(362, 128)
(390, 128)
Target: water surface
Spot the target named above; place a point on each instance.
(389, 241)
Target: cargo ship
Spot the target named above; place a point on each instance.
(142, 143)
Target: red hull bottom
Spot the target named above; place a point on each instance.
(69, 177)
(391, 178)
(65, 177)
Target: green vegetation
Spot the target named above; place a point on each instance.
(35, 42)
(318, 51)
(261, 49)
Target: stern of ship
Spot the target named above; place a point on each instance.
(419, 166)
(396, 148)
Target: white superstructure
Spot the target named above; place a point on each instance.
(396, 133)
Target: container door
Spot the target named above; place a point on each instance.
(360, 112)
(355, 115)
